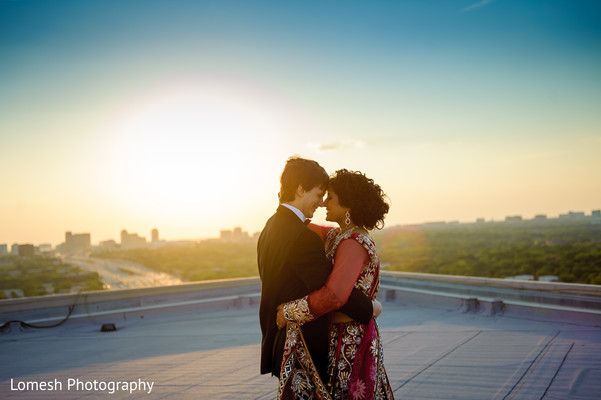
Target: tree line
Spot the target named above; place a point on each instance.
(206, 260)
(570, 250)
(40, 275)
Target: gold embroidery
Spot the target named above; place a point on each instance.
(368, 281)
(305, 379)
(298, 311)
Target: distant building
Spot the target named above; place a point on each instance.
(596, 214)
(436, 224)
(540, 217)
(131, 240)
(75, 243)
(225, 235)
(26, 250)
(154, 234)
(3, 249)
(236, 235)
(572, 215)
(516, 218)
(480, 221)
(45, 248)
(78, 240)
(108, 245)
(14, 249)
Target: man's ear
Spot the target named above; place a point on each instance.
(300, 191)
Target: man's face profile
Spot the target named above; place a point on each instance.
(312, 199)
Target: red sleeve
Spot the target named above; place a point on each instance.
(321, 230)
(348, 264)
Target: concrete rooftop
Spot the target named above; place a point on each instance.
(436, 346)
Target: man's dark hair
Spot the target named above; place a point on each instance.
(299, 171)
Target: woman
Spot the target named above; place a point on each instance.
(356, 369)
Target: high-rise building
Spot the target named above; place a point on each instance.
(26, 250)
(572, 215)
(235, 235)
(154, 234)
(3, 249)
(45, 247)
(75, 243)
(108, 245)
(131, 240)
(78, 241)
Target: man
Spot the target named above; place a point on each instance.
(292, 264)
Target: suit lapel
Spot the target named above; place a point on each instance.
(288, 214)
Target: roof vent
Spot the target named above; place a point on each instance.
(108, 328)
(497, 307)
(471, 305)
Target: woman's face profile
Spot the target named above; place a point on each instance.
(334, 211)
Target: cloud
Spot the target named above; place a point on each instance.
(340, 145)
(478, 5)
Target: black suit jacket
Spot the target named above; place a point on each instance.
(292, 263)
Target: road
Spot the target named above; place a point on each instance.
(121, 274)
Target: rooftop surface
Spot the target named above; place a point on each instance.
(432, 350)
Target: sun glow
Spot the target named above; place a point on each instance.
(188, 156)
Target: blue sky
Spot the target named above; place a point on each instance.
(460, 109)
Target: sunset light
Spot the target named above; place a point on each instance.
(187, 152)
(183, 117)
(233, 199)
(186, 155)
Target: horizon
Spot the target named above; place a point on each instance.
(181, 115)
(587, 213)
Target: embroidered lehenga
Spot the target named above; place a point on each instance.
(356, 369)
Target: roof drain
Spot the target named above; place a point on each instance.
(108, 327)
(471, 305)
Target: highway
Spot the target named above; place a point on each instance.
(121, 274)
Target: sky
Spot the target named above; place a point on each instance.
(180, 115)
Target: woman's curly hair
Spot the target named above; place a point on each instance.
(365, 199)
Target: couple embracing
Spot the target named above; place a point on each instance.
(319, 287)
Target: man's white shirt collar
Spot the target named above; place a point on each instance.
(295, 210)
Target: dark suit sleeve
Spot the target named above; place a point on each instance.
(358, 306)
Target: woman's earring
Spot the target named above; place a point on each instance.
(347, 221)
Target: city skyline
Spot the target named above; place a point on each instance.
(181, 115)
(227, 234)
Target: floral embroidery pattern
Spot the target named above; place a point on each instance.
(344, 340)
(368, 281)
(357, 390)
(364, 283)
(298, 373)
(298, 311)
(357, 368)
(301, 385)
(355, 350)
(374, 347)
